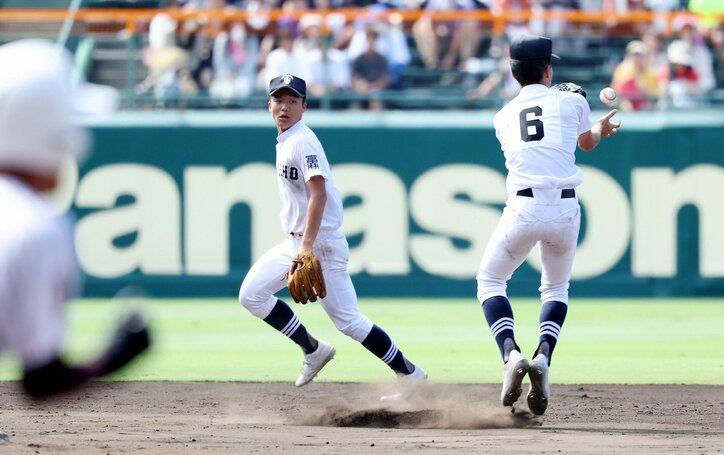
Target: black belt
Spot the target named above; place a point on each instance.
(565, 193)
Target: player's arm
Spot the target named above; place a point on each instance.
(130, 339)
(305, 280)
(602, 128)
(315, 209)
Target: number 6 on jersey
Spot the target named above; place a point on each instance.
(531, 129)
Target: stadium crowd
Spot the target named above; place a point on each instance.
(362, 60)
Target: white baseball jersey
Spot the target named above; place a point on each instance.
(538, 132)
(38, 273)
(300, 156)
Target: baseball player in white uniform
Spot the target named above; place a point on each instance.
(311, 217)
(538, 132)
(38, 267)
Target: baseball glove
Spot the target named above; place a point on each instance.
(570, 87)
(306, 283)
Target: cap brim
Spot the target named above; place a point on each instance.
(555, 57)
(286, 87)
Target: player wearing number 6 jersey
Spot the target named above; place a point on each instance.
(538, 133)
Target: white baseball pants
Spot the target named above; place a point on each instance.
(267, 277)
(545, 219)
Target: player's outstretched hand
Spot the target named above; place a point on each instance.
(131, 338)
(607, 127)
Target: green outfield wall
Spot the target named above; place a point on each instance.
(180, 204)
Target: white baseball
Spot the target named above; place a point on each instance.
(608, 96)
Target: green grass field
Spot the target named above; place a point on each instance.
(603, 341)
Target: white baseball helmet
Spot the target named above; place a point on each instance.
(40, 105)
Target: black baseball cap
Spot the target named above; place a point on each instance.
(293, 83)
(531, 47)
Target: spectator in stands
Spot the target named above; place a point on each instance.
(554, 26)
(617, 26)
(197, 37)
(711, 26)
(308, 47)
(445, 43)
(656, 58)
(513, 27)
(291, 10)
(687, 30)
(391, 43)
(334, 22)
(328, 68)
(369, 72)
(660, 21)
(206, 4)
(282, 60)
(167, 63)
(258, 18)
(710, 12)
(500, 82)
(260, 23)
(679, 83)
(716, 37)
(162, 28)
(234, 60)
(633, 79)
(623, 6)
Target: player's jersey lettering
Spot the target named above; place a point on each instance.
(288, 172)
(531, 129)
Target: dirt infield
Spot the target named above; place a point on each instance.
(228, 417)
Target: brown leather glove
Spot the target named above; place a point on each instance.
(306, 282)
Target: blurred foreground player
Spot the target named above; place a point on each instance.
(38, 266)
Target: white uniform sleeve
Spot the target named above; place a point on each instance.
(44, 277)
(584, 114)
(310, 157)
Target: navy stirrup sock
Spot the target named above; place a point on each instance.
(499, 315)
(552, 315)
(380, 344)
(284, 320)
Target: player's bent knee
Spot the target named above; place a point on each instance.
(357, 329)
(259, 306)
(490, 288)
(557, 294)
